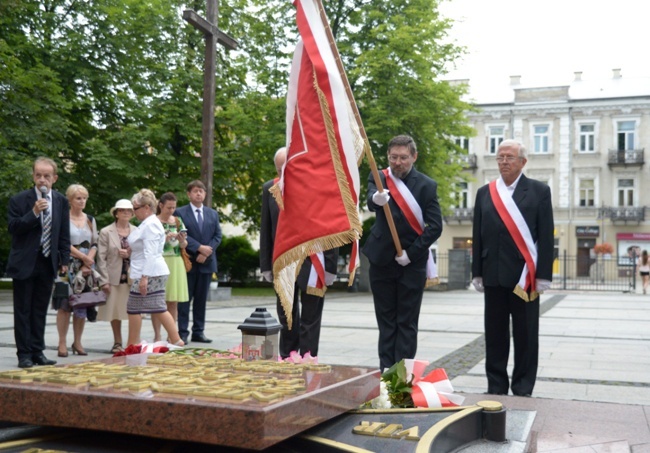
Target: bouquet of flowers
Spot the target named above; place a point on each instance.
(402, 385)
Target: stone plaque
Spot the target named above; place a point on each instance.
(134, 406)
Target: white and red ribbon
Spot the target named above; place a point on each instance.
(432, 390)
(317, 273)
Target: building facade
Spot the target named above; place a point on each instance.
(587, 141)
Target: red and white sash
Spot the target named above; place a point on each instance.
(413, 213)
(316, 284)
(520, 233)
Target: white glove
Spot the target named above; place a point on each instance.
(478, 284)
(404, 259)
(380, 198)
(268, 276)
(542, 285)
(329, 278)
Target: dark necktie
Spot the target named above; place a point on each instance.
(199, 219)
(46, 240)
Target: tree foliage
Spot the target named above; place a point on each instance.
(237, 259)
(112, 90)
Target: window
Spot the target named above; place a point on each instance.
(496, 136)
(626, 192)
(463, 142)
(587, 192)
(625, 135)
(540, 138)
(462, 195)
(587, 138)
(462, 243)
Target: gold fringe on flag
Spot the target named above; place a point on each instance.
(519, 291)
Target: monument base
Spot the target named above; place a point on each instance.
(470, 429)
(247, 423)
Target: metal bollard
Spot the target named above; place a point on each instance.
(494, 421)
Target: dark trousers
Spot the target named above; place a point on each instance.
(198, 285)
(501, 304)
(306, 322)
(397, 293)
(31, 299)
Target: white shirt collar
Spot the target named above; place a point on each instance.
(511, 188)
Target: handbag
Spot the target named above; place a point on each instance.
(186, 258)
(60, 293)
(87, 299)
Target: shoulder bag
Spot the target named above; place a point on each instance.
(186, 258)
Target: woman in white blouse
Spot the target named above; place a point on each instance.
(148, 271)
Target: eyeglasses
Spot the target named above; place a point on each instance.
(394, 158)
(508, 159)
(135, 209)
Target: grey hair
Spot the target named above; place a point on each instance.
(281, 152)
(514, 143)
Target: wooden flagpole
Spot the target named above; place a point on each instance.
(357, 116)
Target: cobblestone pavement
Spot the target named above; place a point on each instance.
(594, 355)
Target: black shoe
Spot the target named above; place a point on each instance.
(25, 363)
(184, 338)
(200, 338)
(42, 360)
(527, 395)
(493, 393)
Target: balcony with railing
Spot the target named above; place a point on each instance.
(622, 214)
(625, 157)
(467, 161)
(460, 215)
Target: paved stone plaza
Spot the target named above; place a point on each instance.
(593, 387)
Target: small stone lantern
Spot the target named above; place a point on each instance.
(260, 336)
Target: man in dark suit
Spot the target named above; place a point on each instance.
(39, 224)
(512, 274)
(397, 282)
(304, 335)
(203, 238)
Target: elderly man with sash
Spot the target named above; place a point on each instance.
(512, 263)
(398, 282)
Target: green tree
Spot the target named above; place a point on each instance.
(237, 259)
(112, 91)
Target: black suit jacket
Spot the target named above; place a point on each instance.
(270, 213)
(26, 231)
(209, 235)
(379, 247)
(495, 256)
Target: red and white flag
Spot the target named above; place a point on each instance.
(318, 192)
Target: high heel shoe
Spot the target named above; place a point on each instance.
(62, 353)
(75, 350)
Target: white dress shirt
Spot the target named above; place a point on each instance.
(147, 243)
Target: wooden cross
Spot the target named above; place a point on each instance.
(212, 35)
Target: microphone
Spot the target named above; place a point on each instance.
(43, 190)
